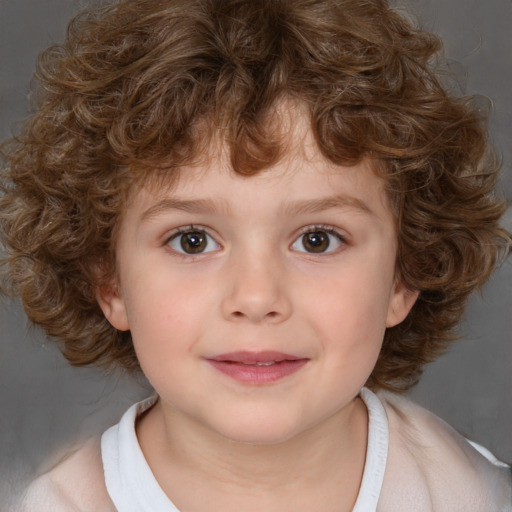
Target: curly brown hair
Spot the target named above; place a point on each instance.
(136, 83)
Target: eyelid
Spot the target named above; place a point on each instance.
(187, 229)
(329, 229)
(175, 233)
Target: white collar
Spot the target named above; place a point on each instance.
(133, 487)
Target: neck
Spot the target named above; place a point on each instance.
(322, 464)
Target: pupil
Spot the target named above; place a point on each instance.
(193, 242)
(317, 241)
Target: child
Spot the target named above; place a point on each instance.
(274, 211)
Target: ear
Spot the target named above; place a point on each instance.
(113, 306)
(402, 300)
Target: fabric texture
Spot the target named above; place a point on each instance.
(129, 480)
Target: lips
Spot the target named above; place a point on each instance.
(257, 367)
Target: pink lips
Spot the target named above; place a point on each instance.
(257, 367)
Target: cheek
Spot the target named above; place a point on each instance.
(165, 313)
(162, 336)
(349, 316)
(353, 339)
(354, 300)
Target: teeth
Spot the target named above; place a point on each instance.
(267, 363)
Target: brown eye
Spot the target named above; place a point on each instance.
(193, 242)
(316, 241)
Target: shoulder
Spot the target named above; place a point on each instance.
(444, 470)
(75, 484)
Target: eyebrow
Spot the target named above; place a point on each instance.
(185, 205)
(327, 203)
(208, 206)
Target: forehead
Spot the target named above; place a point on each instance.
(301, 172)
(295, 188)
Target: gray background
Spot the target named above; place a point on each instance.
(45, 405)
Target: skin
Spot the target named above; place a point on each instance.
(297, 443)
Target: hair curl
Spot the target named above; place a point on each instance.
(133, 82)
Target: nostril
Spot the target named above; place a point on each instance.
(239, 314)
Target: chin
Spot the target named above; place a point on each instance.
(259, 432)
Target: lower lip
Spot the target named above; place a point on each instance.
(254, 374)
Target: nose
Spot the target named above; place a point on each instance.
(256, 291)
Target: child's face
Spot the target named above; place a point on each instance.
(258, 305)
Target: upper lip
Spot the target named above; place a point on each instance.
(247, 357)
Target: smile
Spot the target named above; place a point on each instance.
(257, 367)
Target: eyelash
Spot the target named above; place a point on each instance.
(320, 228)
(184, 230)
